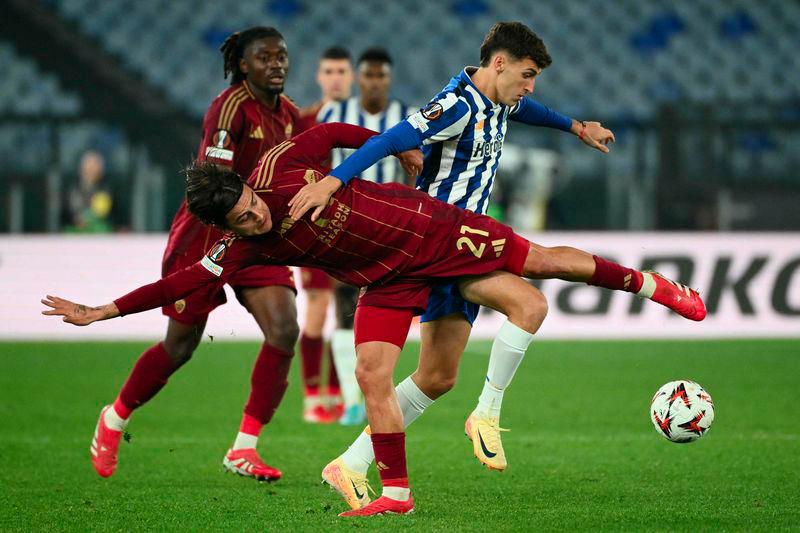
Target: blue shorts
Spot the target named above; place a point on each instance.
(445, 299)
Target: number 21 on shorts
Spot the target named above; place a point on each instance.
(477, 251)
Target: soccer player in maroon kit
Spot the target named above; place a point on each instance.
(245, 120)
(389, 238)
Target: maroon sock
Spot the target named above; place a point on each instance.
(268, 382)
(390, 458)
(311, 353)
(149, 375)
(614, 276)
(333, 378)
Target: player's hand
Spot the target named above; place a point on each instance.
(313, 196)
(78, 314)
(595, 136)
(411, 161)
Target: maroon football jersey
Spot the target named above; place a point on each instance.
(369, 235)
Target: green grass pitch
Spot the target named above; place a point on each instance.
(582, 451)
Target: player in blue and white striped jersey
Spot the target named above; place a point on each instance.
(373, 108)
(461, 132)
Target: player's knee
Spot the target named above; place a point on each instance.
(372, 379)
(283, 332)
(532, 312)
(181, 350)
(436, 384)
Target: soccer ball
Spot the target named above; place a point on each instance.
(682, 411)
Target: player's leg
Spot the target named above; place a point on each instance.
(572, 264)
(311, 349)
(148, 376)
(443, 342)
(274, 310)
(344, 355)
(525, 308)
(380, 335)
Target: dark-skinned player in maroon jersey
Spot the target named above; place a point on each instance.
(245, 120)
(392, 240)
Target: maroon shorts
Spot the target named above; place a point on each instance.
(314, 278)
(469, 245)
(188, 242)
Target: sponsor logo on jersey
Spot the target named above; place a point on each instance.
(432, 111)
(212, 152)
(211, 266)
(487, 148)
(418, 122)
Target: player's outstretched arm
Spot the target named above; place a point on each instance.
(78, 314)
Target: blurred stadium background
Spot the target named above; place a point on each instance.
(703, 183)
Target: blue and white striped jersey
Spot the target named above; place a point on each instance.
(350, 111)
(462, 134)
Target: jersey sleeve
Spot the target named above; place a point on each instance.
(442, 119)
(316, 144)
(226, 257)
(222, 129)
(533, 113)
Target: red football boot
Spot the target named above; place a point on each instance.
(383, 505)
(104, 446)
(247, 462)
(678, 297)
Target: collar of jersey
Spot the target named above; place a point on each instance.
(464, 76)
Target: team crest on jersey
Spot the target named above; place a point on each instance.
(180, 305)
(432, 111)
(221, 139)
(288, 130)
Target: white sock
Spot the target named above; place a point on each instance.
(508, 350)
(400, 494)
(114, 421)
(412, 402)
(343, 344)
(245, 440)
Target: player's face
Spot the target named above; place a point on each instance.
(335, 78)
(250, 216)
(266, 64)
(516, 79)
(374, 80)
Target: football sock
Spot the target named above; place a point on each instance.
(390, 456)
(614, 276)
(334, 388)
(248, 434)
(508, 349)
(268, 383)
(311, 356)
(149, 375)
(116, 418)
(343, 347)
(412, 402)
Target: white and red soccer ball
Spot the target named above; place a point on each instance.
(682, 411)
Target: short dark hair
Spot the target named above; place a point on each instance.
(377, 54)
(234, 46)
(336, 52)
(211, 191)
(518, 40)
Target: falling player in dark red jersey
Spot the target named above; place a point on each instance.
(390, 239)
(244, 121)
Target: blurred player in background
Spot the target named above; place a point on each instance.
(462, 132)
(335, 79)
(243, 122)
(375, 109)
